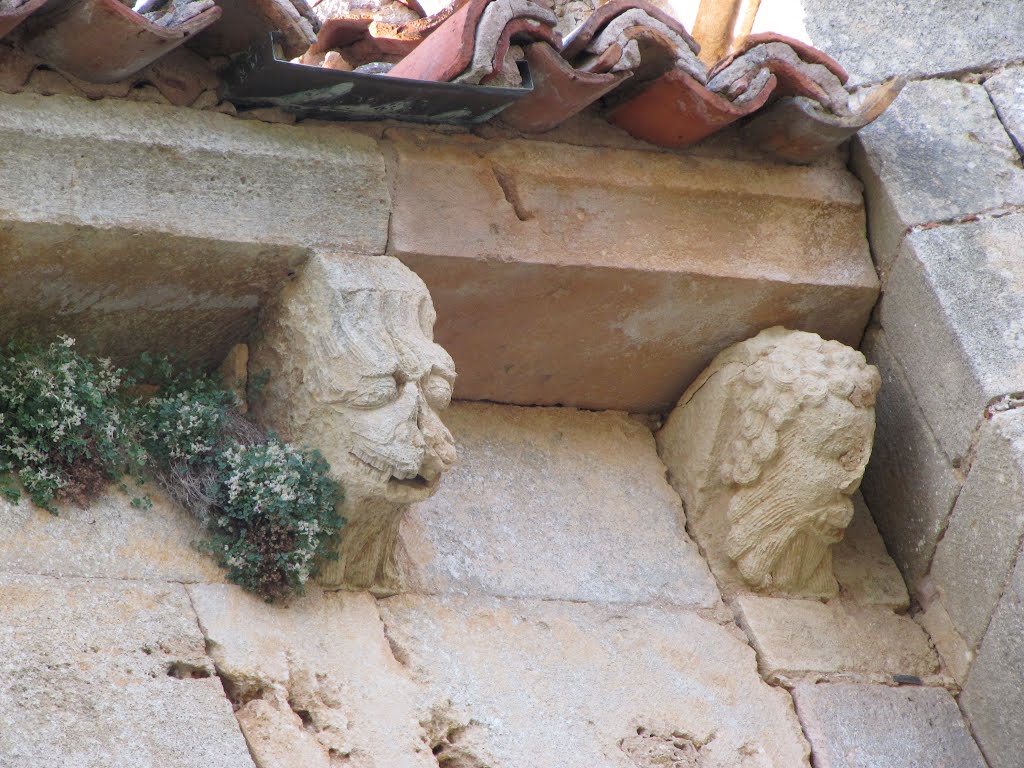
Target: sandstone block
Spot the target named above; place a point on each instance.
(316, 682)
(97, 673)
(949, 644)
(109, 539)
(952, 315)
(1006, 89)
(910, 483)
(978, 551)
(875, 39)
(863, 566)
(138, 225)
(554, 503)
(993, 698)
(608, 279)
(937, 154)
(580, 686)
(799, 638)
(875, 726)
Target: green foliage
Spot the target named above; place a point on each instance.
(276, 513)
(61, 423)
(70, 424)
(185, 421)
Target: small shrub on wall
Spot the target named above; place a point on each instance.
(70, 424)
(62, 427)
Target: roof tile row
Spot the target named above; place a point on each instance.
(639, 60)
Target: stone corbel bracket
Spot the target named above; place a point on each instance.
(354, 371)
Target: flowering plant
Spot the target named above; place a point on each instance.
(62, 430)
(70, 424)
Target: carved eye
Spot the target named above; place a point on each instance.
(377, 392)
(438, 392)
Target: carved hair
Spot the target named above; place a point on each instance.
(786, 372)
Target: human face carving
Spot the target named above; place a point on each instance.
(781, 527)
(384, 381)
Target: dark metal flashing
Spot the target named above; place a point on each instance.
(258, 78)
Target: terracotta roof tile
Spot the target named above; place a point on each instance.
(559, 91)
(675, 110)
(12, 17)
(633, 57)
(579, 38)
(468, 46)
(798, 130)
(103, 41)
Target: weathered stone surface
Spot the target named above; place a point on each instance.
(910, 483)
(109, 539)
(864, 569)
(1006, 89)
(354, 371)
(122, 293)
(554, 503)
(608, 279)
(325, 662)
(875, 726)
(540, 684)
(797, 638)
(979, 548)
(766, 447)
(949, 644)
(952, 314)
(875, 39)
(993, 698)
(139, 225)
(938, 153)
(105, 674)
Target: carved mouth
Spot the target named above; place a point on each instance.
(402, 486)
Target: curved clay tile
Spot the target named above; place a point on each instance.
(647, 47)
(379, 39)
(577, 40)
(103, 41)
(624, 40)
(500, 23)
(798, 130)
(675, 110)
(806, 52)
(796, 77)
(469, 38)
(559, 91)
(11, 18)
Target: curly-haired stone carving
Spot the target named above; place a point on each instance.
(766, 447)
(354, 371)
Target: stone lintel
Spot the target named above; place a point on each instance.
(608, 279)
(143, 226)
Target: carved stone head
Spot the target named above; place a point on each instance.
(786, 422)
(352, 359)
(354, 371)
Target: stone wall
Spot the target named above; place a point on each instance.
(944, 189)
(557, 611)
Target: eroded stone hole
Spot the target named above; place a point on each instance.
(444, 735)
(649, 749)
(184, 670)
(241, 691)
